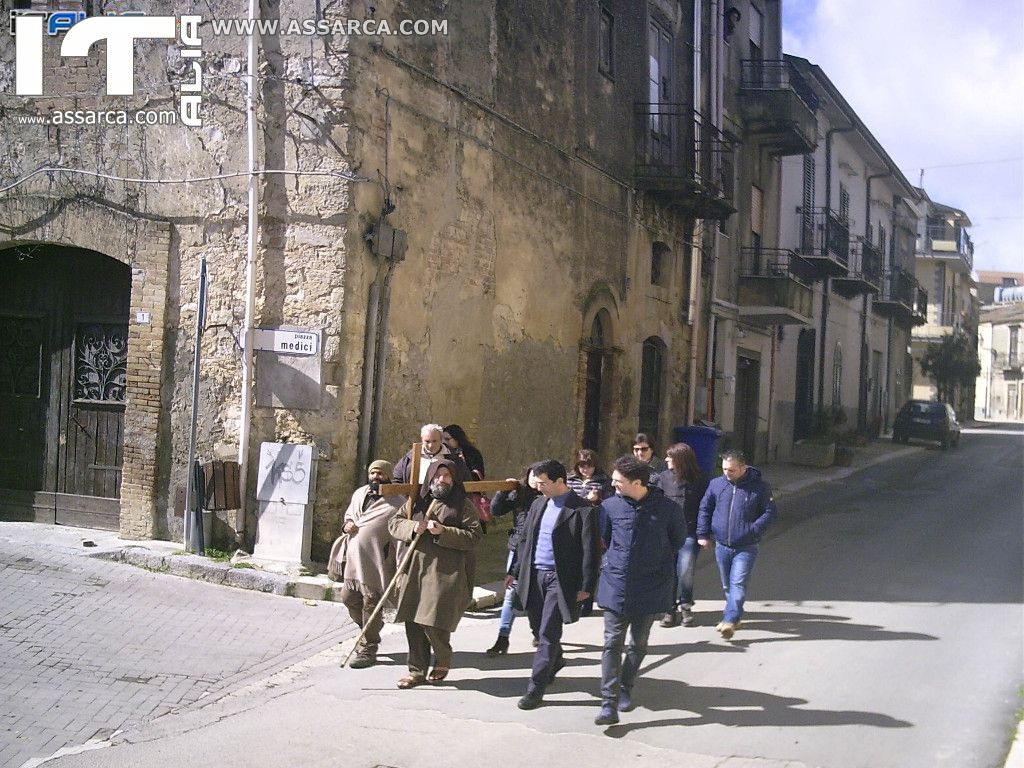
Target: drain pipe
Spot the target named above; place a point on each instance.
(250, 283)
(378, 310)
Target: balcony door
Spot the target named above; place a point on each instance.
(659, 92)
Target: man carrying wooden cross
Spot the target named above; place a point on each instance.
(438, 585)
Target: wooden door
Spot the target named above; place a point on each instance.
(66, 379)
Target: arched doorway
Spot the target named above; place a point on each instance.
(64, 318)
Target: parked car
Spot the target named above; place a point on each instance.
(927, 420)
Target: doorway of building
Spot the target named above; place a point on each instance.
(64, 321)
(803, 418)
(748, 384)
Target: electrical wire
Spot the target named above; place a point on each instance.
(192, 180)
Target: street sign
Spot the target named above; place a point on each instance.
(286, 342)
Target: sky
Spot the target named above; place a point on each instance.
(940, 84)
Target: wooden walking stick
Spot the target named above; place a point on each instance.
(406, 558)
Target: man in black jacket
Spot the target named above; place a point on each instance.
(558, 566)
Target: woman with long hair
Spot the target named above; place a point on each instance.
(684, 483)
(588, 479)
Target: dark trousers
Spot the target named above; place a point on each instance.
(617, 674)
(546, 623)
(421, 639)
(360, 609)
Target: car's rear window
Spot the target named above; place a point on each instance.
(922, 409)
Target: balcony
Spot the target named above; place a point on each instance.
(825, 242)
(902, 299)
(778, 106)
(681, 156)
(865, 275)
(951, 244)
(774, 287)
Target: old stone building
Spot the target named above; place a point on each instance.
(504, 222)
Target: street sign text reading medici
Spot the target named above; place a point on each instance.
(120, 34)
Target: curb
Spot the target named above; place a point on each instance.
(190, 566)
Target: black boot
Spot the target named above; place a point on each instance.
(500, 646)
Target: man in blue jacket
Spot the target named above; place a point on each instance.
(736, 510)
(642, 529)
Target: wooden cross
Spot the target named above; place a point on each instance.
(474, 486)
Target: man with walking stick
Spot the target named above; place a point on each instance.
(441, 527)
(363, 559)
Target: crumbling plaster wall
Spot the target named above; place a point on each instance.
(301, 254)
(511, 239)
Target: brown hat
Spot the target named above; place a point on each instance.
(386, 466)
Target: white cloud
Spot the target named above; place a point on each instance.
(939, 83)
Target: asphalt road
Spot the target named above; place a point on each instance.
(884, 630)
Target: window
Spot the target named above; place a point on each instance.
(687, 262)
(652, 369)
(756, 34)
(606, 45)
(807, 207)
(1011, 354)
(660, 254)
(101, 360)
(844, 204)
(659, 69)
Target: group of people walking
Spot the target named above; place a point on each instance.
(629, 540)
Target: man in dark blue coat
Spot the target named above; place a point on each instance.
(558, 562)
(642, 530)
(736, 509)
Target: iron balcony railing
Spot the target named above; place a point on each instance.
(776, 75)
(675, 142)
(866, 262)
(823, 233)
(948, 233)
(902, 287)
(773, 262)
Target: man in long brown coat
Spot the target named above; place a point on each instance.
(437, 585)
(363, 558)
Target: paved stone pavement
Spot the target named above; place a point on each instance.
(88, 647)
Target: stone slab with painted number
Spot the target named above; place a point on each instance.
(287, 473)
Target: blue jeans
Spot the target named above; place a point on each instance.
(507, 614)
(735, 565)
(617, 674)
(686, 564)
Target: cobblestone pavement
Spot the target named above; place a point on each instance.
(88, 647)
